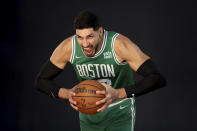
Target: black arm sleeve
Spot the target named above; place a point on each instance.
(151, 81)
(44, 80)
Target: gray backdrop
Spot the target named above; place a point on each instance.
(31, 29)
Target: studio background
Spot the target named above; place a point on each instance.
(32, 29)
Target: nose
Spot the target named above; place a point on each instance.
(85, 43)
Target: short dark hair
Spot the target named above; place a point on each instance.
(86, 19)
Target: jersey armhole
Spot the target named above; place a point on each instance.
(114, 53)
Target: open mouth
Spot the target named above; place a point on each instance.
(89, 51)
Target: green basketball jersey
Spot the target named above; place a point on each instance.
(104, 66)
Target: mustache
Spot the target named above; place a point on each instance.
(90, 46)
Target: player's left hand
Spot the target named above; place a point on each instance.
(110, 93)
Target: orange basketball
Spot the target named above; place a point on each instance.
(86, 96)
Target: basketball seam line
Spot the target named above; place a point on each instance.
(91, 85)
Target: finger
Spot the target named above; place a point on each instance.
(101, 101)
(72, 101)
(71, 98)
(73, 106)
(101, 92)
(104, 107)
(104, 84)
(72, 93)
(106, 99)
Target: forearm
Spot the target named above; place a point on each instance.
(44, 81)
(152, 80)
(47, 86)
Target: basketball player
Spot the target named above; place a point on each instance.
(110, 58)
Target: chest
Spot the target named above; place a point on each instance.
(103, 66)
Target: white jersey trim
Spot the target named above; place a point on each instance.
(116, 103)
(132, 113)
(133, 110)
(73, 50)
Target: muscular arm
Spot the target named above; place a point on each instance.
(52, 68)
(126, 50)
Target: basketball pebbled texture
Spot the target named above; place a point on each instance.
(86, 96)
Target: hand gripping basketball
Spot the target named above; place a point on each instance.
(110, 93)
(86, 96)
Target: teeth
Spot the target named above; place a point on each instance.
(87, 48)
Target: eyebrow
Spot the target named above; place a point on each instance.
(91, 34)
(78, 36)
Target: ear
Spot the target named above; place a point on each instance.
(101, 31)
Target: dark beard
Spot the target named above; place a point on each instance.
(100, 44)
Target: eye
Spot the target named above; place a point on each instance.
(79, 37)
(90, 36)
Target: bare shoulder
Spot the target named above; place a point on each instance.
(126, 50)
(122, 39)
(62, 53)
(66, 45)
(122, 43)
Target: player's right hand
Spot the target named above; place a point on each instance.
(70, 94)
